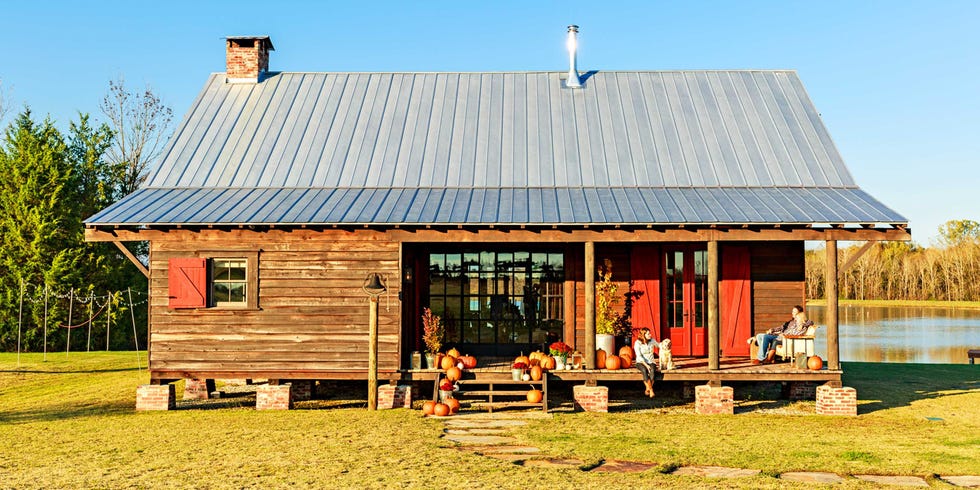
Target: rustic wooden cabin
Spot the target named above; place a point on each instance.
(489, 197)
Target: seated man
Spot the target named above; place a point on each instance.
(767, 341)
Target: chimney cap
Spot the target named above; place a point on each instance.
(266, 40)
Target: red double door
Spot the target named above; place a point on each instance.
(674, 304)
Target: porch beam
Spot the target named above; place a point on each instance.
(714, 349)
(132, 258)
(830, 287)
(589, 305)
(857, 256)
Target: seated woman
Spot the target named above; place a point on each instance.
(767, 341)
(643, 347)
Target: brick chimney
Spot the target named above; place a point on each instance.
(247, 58)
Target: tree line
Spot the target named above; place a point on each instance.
(52, 181)
(947, 271)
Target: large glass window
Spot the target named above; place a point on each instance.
(498, 297)
(229, 282)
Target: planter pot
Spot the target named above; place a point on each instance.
(444, 395)
(516, 374)
(606, 342)
(560, 363)
(430, 360)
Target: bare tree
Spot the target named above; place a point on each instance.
(141, 124)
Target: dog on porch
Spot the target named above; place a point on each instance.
(666, 358)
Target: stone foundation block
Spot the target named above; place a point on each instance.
(391, 396)
(591, 398)
(302, 390)
(198, 389)
(836, 401)
(274, 397)
(714, 400)
(156, 397)
(802, 390)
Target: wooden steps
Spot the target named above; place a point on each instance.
(494, 390)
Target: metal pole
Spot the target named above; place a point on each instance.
(88, 342)
(45, 322)
(136, 339)
(590, 305)
(108, 319)
(833, 344)
(20, 318)
(714, 350)
(71, 304)
(373, 355)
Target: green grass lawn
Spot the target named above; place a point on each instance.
(71, 423)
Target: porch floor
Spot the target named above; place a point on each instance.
(687, 369)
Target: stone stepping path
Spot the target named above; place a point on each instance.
(900, 481)
(488, 435)
(812, 477)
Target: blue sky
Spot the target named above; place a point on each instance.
(896, 82)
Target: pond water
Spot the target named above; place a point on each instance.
(901, 334)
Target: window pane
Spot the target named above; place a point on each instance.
(236, 292)
(221, 293)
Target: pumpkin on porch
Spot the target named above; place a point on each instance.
(548, 363)
(469, 362)
(447, 362)
(815, 363)
(625, 351)
(453, 352)
(524, 359)
(600, 358)
(613, 363)
(453, 374)
(627, 361)
(534, 396)
(536, 373)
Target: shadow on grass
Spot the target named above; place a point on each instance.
(72, 371)
(893, 385)
(58, 413)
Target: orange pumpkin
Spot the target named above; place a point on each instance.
(453, 405)
(535, 396)
(453, 374)
(441, 410)
(535, 362)
(627, 362)
(429, 407)
(453, 352)
(439, 356)
(600, 358)
(447, 362)
(469, 362)
(815, 363)
(536, 373)
(548, 363)
(523, 359)
(625, 351)
(613, 363)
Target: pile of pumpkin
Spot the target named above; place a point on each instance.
(453, 364)
(613, 362)
(538, 363)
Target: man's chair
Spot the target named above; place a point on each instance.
(789, 345)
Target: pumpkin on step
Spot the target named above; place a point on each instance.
(536, 373)
(548, 363)
(453, 374)
(453, 352)
(613, 363)
(535, 396)
(524, 359)
(447, 362)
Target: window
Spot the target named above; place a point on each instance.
(214, 279)
(498, 297)
(229, 282)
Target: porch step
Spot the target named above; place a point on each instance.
(492, 392)
(484, 390)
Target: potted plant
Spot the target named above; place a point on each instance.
(605, 316)
(561, 351)
(623, 323)
(432, 333)
(517, 370)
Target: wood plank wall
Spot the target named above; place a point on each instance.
(312, 313)
(777, 282)
(619, 255)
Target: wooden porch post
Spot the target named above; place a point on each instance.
(833, 344)
(589, 305)
(714, 348)
(373, 355)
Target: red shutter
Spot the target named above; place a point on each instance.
(645, 272)
(188, 282)
(735, 294)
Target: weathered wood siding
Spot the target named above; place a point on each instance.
(311, 319)
(777, 282)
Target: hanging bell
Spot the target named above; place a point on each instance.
(373, 284)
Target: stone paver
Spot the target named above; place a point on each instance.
(477, 432)
(714, 472)
(504, 449)
(555, 463)
(481, 440)
(483, 424)
(901, 481)
(513, 458)
(812, 477)
(617, 466)
(969, 481)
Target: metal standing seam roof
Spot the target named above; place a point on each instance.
(719, 147)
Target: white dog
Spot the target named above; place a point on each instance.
(666, 358)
